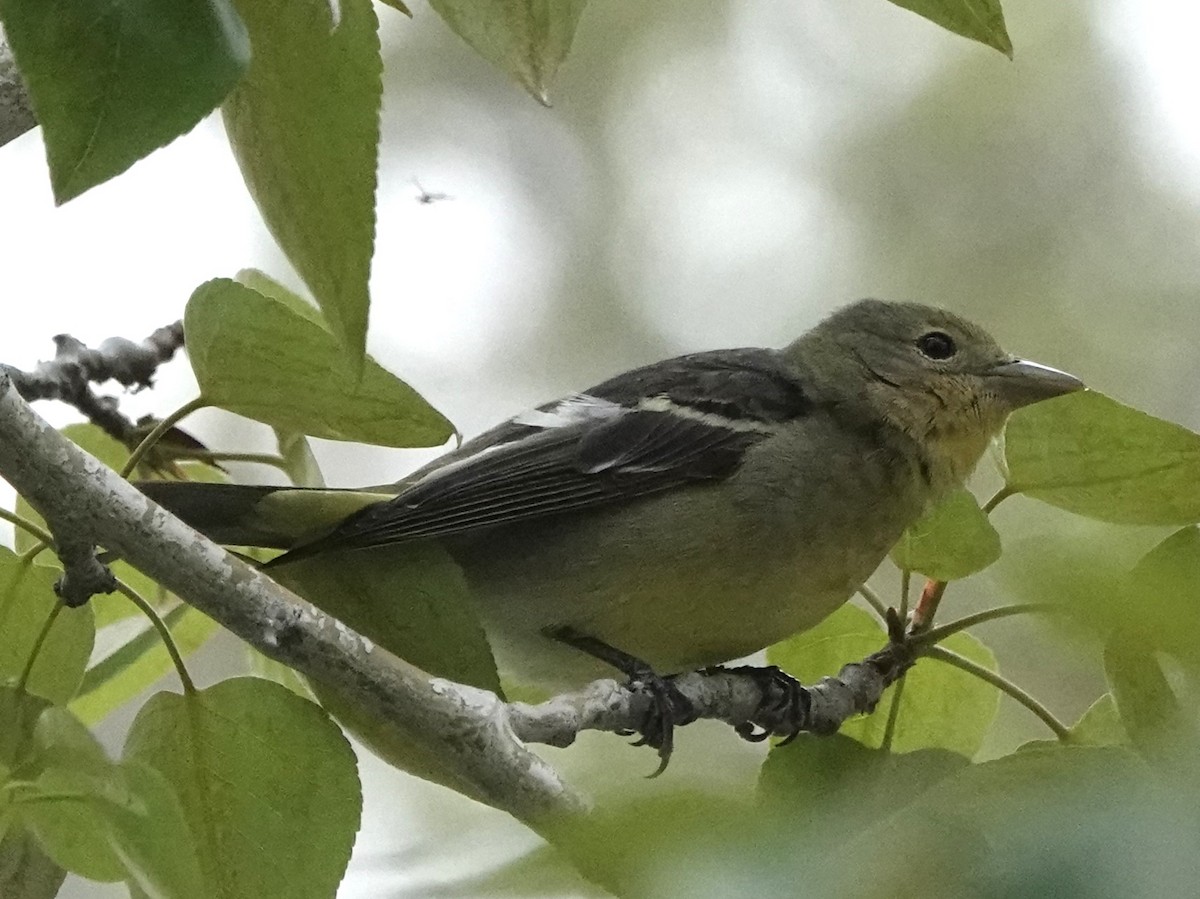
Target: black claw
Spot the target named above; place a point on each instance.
(784, 709)
(668, 709)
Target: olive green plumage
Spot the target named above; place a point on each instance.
(689, 512)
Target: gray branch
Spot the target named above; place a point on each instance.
(741, 697)
(69, 376)
(464, 727)
(16, 112)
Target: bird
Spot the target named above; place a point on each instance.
(685, 513)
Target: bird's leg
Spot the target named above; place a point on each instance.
(668, 707)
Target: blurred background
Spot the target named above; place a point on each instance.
(711, 174)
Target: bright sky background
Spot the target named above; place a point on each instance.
(456, 281)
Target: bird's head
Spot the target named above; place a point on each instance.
(937, 377)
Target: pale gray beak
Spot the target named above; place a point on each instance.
(1020, 382)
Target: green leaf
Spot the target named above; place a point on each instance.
(267, 782)
(73, 768)
(845, 785)
(398, 6)
(528, 39)
(1091, 455)
(139, 663)
(113, 80)
(26, 872)
(949, 542)
(258, 357)
(979, 20)
(26, 601)
(941, 707)
(304, 127)
(101, 820)
(1157, 725)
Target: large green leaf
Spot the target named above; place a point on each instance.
(304, 127)
(113, 80)
(951, 541)
(26, 601)
(980, 20)
(1091, 455)
(260, 357)
(268, 785)
(941, 707)
(529, 39)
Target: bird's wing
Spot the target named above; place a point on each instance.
(683, 421)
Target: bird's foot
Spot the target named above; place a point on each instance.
(668, 708)
(785, 707)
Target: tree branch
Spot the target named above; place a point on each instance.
(16, 112)
(463, 726)
(75, 367)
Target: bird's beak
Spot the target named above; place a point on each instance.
(1020, 383)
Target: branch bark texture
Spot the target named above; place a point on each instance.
(16, 111)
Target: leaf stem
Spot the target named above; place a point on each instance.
(1003, 684)
(163, 631)
(157, 433)
(1000, 496)
(873, 601)
(23, 680)
(937, 634)
(216, 456)
(26, 525)
(889, 731)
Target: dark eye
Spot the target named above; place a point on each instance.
(937, 345)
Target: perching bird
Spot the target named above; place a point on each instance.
(688, 512)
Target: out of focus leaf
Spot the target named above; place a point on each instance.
(304, 127)
(268, 785)
(980, 20)
(260, 357)
(113, 81)
(26, 872)
(941, 708)
(1158, 727)
(949, 542)
(846, 785)
(529, 39)
(1091, 455)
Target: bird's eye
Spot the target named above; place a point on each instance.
(937, 345)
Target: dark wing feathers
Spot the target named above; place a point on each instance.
(717, 406)
(747, 384)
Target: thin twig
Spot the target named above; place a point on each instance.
(76, 367)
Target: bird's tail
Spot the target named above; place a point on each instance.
(254, 515)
